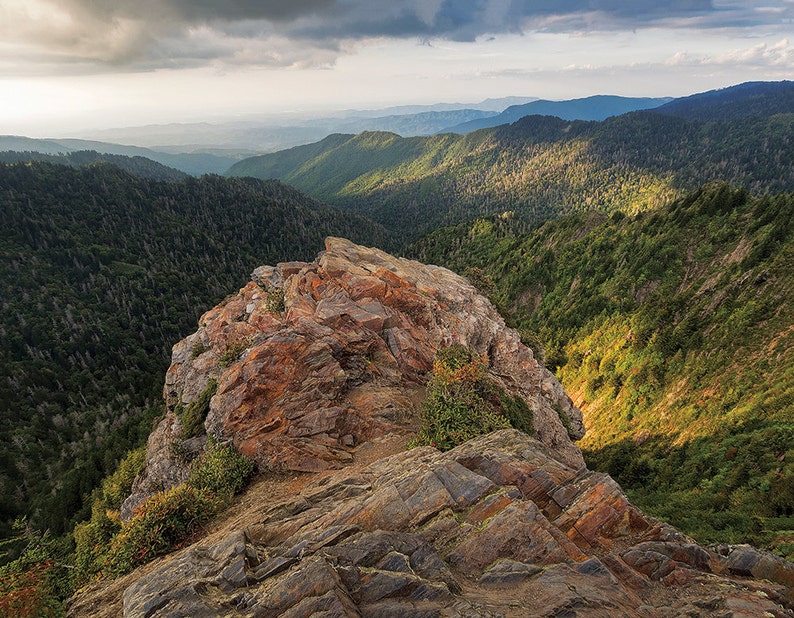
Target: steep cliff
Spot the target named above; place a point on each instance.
(320, 366)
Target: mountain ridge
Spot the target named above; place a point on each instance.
(538, 168)
(193, 164)
(742, 100)
(662, 327)
(596, 107)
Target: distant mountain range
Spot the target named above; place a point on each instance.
(599, 107)
(748, 99)
(200, 148)
(541, 167)
(194, 164)
(244, 138)
(138, 166)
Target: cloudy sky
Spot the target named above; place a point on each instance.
(69, 65)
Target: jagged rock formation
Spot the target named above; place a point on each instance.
(503, 525)
(340, 360)
(496, 527)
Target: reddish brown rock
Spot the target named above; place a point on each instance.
(503, 525)
(342, 359)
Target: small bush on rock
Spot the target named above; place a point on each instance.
(221, 470)
(169, 518)
(274, 303)
(463, 402)
(162, 522)
(117, 486)
(194, 414)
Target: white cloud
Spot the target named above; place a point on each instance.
(778, 54)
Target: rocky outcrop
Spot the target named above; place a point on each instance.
(310, 367)
(310, 359)
(498, 526)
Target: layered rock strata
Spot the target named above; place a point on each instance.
(310, 359)
(496, 527)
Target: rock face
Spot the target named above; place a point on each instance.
(498, 526)
(308, 360)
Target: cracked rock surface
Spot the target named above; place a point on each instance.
(495, 527)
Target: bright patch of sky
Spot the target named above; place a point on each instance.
(73, 65)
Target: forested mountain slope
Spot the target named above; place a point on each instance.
(102, 273)
(741, 101)
(193, 163)
(137, 165)
(674, 333)
(539, 167)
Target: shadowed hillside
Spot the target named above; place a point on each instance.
(103, 273)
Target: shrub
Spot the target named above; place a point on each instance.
(565, 420)
(221, 470)
(481, 280)
(169, 518)
(33, 584)
(533, 341)
(231, 353)
(24, 593)
(198, 349)
(274, 303)
(193, 415)
(463, 402)
(92, 541)
(161, 523)
(517, 413)
(117, 486)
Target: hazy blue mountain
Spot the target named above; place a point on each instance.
(740, 101)
(137, 166)
(407, 125)
(489, 105)
(597, 107)
(256, 135)
(20, 143)
(194, 164)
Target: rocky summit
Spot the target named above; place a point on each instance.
(316, 372)
(309, 360)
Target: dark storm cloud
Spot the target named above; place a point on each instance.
(455, 19)
(145, 34)
(200, 10)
